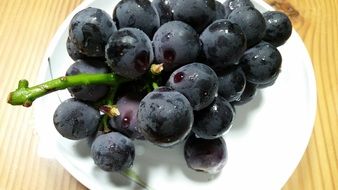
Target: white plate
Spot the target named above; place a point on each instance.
(265, 144)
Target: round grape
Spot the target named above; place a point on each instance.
(126, 122)
(76, 120)
(175, 44)
(223, 43)
(197, 13)
(196, 81)
(113, 152)
(213, 121)
(136, 14)
(261, 63)
(278, 27)
(165, 117)
(205, 155)
(129, 52)
(89, 30)
(251, 22)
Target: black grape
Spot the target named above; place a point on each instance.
(213, 121)
(205, 155)
(197, 13)
(278, 27)
(129, 52)
(89, 30)
(165, 117)
(76, 120)
(223, 43)
(126, 122)
(113, 152)
(251, 22)
(196, 81)
(136, 14)
(175, 44)
(261, 63)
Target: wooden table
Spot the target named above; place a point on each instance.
(26, 28)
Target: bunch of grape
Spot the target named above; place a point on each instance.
(189, 62)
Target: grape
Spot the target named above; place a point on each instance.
(261, 63)
(75, 120)
(247, 95)
(251, 22)
(88, 92)
(129, 52)
(220, 11)
(231, 5)
(278, 27)
(197, 13)
(165, 117)
(205, 155)
(175, 44)
(231, 83)
(89, 30)
(164, 10)
(213, 121)
(223, 43)
(126, 122)
(197, 82)
(137, 14)
(113, 152)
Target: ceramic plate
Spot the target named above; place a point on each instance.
(265, 144)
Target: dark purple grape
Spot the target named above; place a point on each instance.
(220, 11)
(251, 22)
(165, 117)
(196, 81)
(247, 95)
(113, 152)
(126, 122)
(137, 14)
(129, 52)
(231, 5)
(213, 121)
(89, 30)
(76, 120)
(197, 13)
(88, 92)
(278, 27)
(261, 63)
(175, 44)
(164, 10)
(223, 43)
(205, 155)
(231, 83)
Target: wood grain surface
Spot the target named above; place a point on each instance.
(26, 28)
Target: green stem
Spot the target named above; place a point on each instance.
(25, 95)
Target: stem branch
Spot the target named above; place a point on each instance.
(25, 95)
